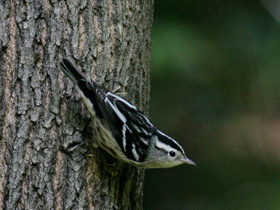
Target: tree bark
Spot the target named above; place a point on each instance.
(46, 157)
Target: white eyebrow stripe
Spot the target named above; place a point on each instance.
(164, 146)
(172, 140)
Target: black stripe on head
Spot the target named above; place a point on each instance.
(169, 141)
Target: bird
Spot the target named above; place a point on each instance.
(121, 129)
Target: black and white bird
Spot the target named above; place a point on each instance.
(122, 130)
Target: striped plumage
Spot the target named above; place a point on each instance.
(122, 130)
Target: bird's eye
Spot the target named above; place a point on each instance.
(172, 154)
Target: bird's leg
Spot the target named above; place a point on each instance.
(110, 164)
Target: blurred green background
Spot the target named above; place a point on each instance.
(216, 90)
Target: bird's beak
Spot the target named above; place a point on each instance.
(188, 161)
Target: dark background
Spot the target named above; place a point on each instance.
(216, 90)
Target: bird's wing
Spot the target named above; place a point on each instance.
(131, 128)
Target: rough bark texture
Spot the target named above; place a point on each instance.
(46, 161)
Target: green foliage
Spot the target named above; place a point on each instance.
(216, 89)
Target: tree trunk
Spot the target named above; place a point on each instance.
(46, 157)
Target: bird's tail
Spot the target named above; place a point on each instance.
(71, 71)
(85, 87)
